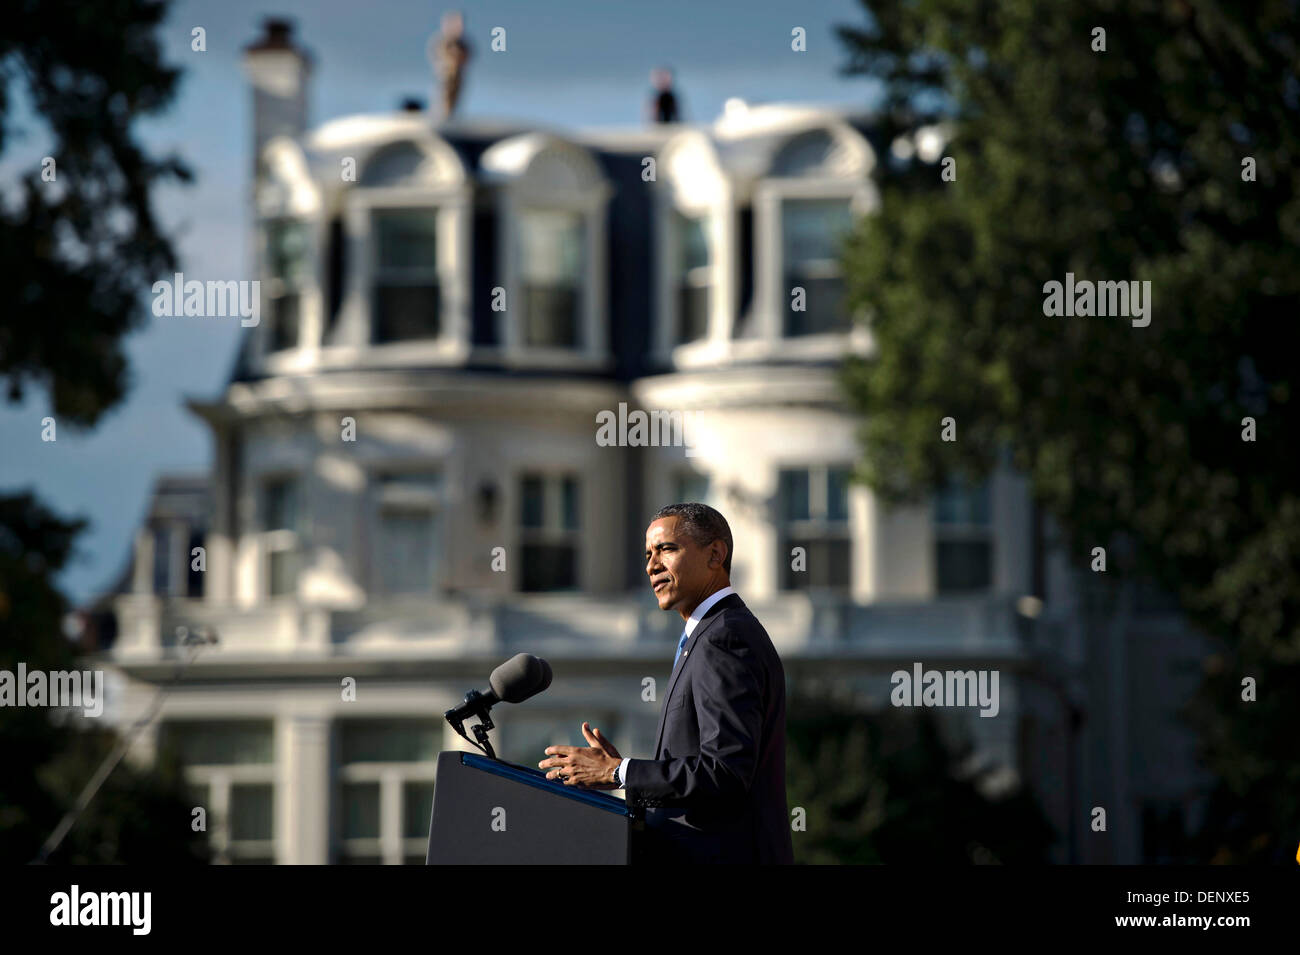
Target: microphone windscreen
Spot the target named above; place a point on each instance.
(518, 678)
(546, 674)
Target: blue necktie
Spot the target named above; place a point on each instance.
(680, 644)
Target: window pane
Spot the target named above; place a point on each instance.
(792, 579)
(824, 309)
(250, 811)
(836, 571)
(829, 564)
(793, 496)
(837, 494)
(692, 487)
(551, 264)
(361, 810)
(551, 247)
(406, 239)
(569, 497)
(194, 578)
(958, 502)
(286, 251)
(812, 229)
(417, 810)
(162, 558)
(552, 315)
(389, 741)
(284, 322)
(406, 312)
(406, 550)
(532, 502)
(549, 567)
(962, 566)
(693, 312)
(218, 743)
(694, 243)
(280, 505)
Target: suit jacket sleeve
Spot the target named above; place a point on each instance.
(728, 685)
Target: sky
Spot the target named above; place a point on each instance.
(568, 64)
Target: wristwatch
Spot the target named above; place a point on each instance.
(618, 783)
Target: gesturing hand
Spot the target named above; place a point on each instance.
(591, 767)
(596, 738)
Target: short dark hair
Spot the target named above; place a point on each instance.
(701, 524)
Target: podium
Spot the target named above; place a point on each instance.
(489, 812)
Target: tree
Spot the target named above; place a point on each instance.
(1161, 150)
(79, 244)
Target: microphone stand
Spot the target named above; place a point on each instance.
(481, 710)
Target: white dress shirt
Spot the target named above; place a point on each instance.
(691, 623)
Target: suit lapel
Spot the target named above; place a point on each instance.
(712, 617)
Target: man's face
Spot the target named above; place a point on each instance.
(679, 569)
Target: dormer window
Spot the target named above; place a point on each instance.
(407, 296)
(406, 263)
(287, 270)
(694, 278)
(550, 197)
(812, 233)
(551, 266)
(695, 251)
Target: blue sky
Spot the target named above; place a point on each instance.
(567, 63)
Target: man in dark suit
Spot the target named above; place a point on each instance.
(715, 790)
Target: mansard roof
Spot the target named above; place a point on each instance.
(747, 144)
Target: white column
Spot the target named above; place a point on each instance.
(864, 529)
(142, 572)
(390, 817)
(302, 790)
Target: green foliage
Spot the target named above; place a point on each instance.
(1116, 165)
(886, 788)
(76, 255)
(138, 816)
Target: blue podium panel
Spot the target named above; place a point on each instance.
(487, 812)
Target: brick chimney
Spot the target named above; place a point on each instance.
(278, 71)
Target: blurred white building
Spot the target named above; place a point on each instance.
(408, 488)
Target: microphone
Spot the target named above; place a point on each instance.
(519, 678)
